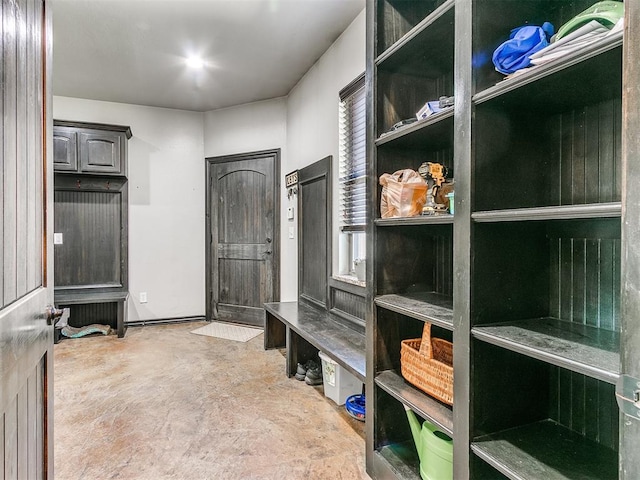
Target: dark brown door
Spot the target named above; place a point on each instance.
(26, 341)
(243, 223)
(314, 227)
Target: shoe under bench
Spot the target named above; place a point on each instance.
(303, 330)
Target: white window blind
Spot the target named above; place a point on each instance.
(353, 156)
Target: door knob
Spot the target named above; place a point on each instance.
(268, 239)
(268, 252)
(52, 314)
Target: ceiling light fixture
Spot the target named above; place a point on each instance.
(195, 62)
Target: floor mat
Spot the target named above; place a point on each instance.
(228, 331)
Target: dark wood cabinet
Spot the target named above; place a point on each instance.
(91, 222)
(90, 148)
(526, 279)
(65, 150)
(101, 152)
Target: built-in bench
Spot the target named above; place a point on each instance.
(329, 314)
(70, 298)
(304, 329)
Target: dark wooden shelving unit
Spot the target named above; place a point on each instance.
(535, 278)
(414, 63)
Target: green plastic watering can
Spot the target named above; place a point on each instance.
(435, 449)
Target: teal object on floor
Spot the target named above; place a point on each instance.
(77, 332)
(435, 449)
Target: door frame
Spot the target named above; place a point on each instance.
(209, 162)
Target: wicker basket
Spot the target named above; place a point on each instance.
(427, 363)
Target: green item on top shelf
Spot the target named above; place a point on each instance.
(607, 13)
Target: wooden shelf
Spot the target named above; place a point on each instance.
(580, 348)
(417, 220)
(422, 404)
(398, 461)
(429, 307)
(435, 131)
(427, 38)
(568, 80)
(564, 212)
(545, 450)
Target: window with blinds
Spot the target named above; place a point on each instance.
(352, 176)
(352, 180)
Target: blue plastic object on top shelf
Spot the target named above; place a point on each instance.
(523, 41)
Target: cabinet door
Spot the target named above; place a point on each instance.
(101, 152)
(65, 158)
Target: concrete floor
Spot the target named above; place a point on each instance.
(163, 403)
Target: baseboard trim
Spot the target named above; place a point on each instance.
(164, 321)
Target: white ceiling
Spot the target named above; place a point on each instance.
(133, 51)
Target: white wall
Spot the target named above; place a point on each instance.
(166, 203)
(312, 108)
(249, 128)
(304, 126)
(245, 128)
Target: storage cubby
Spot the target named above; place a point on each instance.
(393, 392)
(393, 439)
(531, 157)
(395, 450)
(536, 420)
(438, 150)
(493, 21)
(396, 18)
(416, 70)
(426, 264)
(394, 328)
(551, 290)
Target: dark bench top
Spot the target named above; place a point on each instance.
(324, 331)
(74, 297)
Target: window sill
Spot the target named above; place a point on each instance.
(351, 279)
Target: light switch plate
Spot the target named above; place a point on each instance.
(57, 239)
(291, 232)
(290, 213)
(143, 297)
